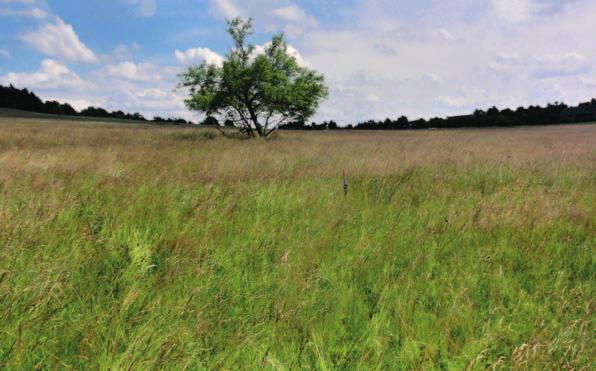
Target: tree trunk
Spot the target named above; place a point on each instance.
(255, 121)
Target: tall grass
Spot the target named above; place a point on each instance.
(132, 247)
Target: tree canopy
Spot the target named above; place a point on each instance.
(256, 92)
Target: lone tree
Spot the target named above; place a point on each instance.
(256, 92)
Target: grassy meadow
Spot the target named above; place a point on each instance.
(140, 247)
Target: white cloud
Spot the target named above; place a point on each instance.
(296, 54)
(60, 40)
(36, 13)
(77, 103)
(207, 55)
(271, 15)
(145, 8)
(155, 99)
(123, 52)
(514, 10)
(260, 49)
(226, 8)
(147, 97)
(561, 64)
(433, 77)
(34, 9)
(447, 35)
(51, 75)
(140, 87)
(588, 82)
(290, 12)
(446, 60)
(373, 98)
(199, 55)
(134, 72)
(4, 53)
(456, 102)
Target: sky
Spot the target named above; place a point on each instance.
(380, 58)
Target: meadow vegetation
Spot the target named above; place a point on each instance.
(136, 247)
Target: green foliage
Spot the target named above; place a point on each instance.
(255, 91)
(210, 121)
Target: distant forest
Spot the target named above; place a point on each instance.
(556, 113)
(23, 99)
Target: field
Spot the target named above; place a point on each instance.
(8, 113)
(138, 247)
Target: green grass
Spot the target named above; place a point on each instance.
(436, 266)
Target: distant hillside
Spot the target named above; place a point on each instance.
(24, 100)
(13, 113)
(9, 112)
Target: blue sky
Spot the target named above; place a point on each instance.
(381, 58)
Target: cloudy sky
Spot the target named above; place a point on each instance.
(381, 58)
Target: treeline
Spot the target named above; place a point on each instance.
(557, 113)
(23, 99)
